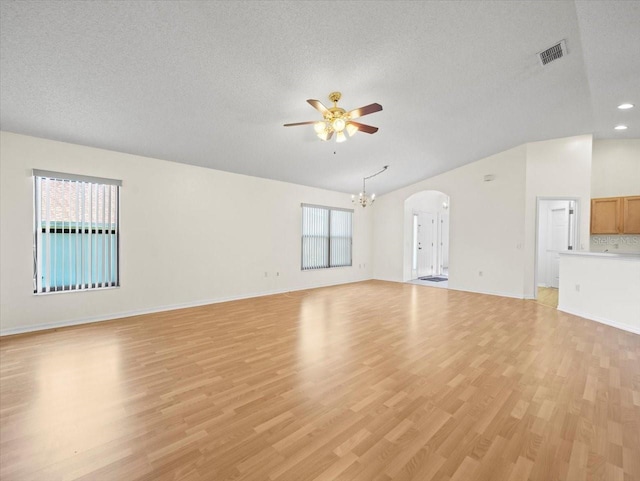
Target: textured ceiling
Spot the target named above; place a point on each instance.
(211, 83)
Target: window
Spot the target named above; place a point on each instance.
(76, 235)
(326, 237)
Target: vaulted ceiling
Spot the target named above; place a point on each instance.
(212, 83)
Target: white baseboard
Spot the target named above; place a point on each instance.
(602, 320)
(489, 293)
(170, 307)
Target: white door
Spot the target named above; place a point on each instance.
(442, 262)
(558, 240)
(425, 244)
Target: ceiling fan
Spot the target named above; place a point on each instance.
(338, 120)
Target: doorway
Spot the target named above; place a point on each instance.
(427, 239)
(424, 244)
(556, 231)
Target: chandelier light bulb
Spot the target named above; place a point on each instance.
(319, 127)
(338, 124)
(340, 137)
(351, 129)
(323, 135)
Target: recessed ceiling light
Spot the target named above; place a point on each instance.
(621, 127)
(625, 106)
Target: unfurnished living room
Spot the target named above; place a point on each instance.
(297, 241)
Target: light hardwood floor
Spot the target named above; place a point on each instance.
(366, 381)
(548, 296)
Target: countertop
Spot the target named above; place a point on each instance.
(609, 255)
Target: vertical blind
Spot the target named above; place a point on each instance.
(76, 232)
(327, 235)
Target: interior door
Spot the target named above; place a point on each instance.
(558, 240)
(425, 244)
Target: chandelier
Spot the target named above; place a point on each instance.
(363, 199)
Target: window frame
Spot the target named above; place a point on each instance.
(84, 226)
(329, 237)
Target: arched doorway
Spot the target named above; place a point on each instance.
(426, 238)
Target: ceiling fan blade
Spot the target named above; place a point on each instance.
(301, 123)
(366, 110)
(329, 135)
(316, 104)
(367, 129)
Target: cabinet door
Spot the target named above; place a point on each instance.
(606, 215)
(631, 215)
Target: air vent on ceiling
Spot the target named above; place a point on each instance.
(559, 50)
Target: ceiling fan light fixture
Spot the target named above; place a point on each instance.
(338, 124)
(351, 129)
(336, 119)
(319, 127)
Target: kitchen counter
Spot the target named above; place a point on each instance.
(610, 255)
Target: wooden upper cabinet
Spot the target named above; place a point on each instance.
(606, 215)
(631, 215)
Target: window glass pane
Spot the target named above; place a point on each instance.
(76, 234)
(315, 237)
(340, 238)
(326, 237)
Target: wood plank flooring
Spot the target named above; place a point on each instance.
(366, 381)
(548, 296)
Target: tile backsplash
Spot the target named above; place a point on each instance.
(615, 243)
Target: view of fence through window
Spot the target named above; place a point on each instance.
(76, 232)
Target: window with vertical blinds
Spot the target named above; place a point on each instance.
(327, 235)
(76, 235)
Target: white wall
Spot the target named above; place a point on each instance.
(486, 225)
(556, 168)
(492, 224)
(615, 173)
(601, 287)
(189, 235)
(615, 168)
